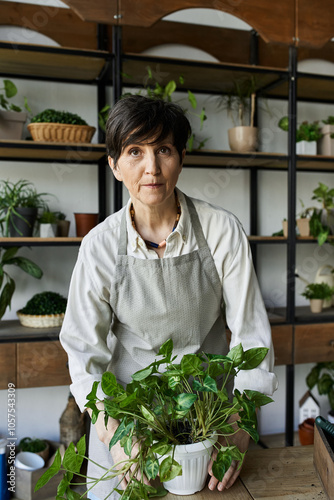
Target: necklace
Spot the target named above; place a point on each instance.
(163, 243)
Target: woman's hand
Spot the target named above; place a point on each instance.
(241, 440)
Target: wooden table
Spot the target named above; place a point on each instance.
(269, 474)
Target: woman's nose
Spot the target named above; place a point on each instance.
(152, 165)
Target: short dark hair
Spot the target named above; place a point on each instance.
(137, 118)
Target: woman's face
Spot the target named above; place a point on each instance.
(149, 171)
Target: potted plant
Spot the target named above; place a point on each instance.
(35, 445)
(317, 293)
(63, 225)
(322, 220)
(43, 310)
(303, 220)
(48, 224)
(12, 117)
(307, 135)
(322, 376)
(170, 403)
(19, 205)
(326, 143)
(7, 284)
(60, 126)
(152, 88)
(242, 138)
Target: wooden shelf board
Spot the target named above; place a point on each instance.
(37, 241)
(72, 152)
(309, 87)
(13, 331)
(231, 159)
(51, 62)
(198, 75)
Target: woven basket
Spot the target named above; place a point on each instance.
(60, 132)
(41, 320)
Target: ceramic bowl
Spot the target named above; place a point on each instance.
(29, 461)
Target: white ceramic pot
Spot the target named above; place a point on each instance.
(194, 459)
(47, 230)
(316, 305)
(306, 148)
(326, 143)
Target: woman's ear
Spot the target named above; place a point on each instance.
(114, 169)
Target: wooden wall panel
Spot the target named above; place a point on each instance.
(61, 25)
(314, 343)
(41, 364)
(7, 365)
(314, 26)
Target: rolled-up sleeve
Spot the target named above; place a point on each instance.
(246, 315)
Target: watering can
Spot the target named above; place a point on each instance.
(328, 278)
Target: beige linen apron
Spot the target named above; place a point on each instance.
(154, 300)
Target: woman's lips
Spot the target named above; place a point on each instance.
(153, 186)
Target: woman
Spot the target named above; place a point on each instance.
(165, 266)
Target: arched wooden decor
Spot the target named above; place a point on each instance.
(274, 21)
(315, 22)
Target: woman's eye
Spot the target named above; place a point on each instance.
(134, 152)
(164, 150)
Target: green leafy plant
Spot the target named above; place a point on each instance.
(14, 195)
(45, 303)
(54, 116)
(34, 445)
(306, 131)
(48, 217)
(319, 226)
(168, 403)
(153, 89)
(10, 90)
(318, 291)
(322, 376)
(239, 100)
(60, 215)
(7, 284)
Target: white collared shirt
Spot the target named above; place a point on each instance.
(88, 316)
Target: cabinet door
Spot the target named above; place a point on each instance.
(314, 343)
(7, 364)
(41, 364)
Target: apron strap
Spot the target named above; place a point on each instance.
(197, 227)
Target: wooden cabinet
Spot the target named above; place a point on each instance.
(314, 343)
(33, 364)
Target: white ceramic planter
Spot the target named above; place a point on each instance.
(47, 230)
(194, 459)
(326, 143)
(316, 305)
(306, 148)
(243, 139)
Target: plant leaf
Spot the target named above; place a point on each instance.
(27, 266)
(185, 401)
(6, 296)
(142, 374)
(151, 468)
(253, 357)
(92, 395)
(190, 364)
(147, 414)
(236, 354)
(192, 99)
(221, 464)
(166, 349)
(10, 88)
(70, 461)
(52, 471)
(110, 385)
(169, 469)
(258, 398)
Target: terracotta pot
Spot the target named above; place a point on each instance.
(243, 139)
(316, 305)
(303, 227)
(85, 222)
(306, 431)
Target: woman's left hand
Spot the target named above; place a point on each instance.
(241, 440)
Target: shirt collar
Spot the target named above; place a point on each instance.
(181, 231)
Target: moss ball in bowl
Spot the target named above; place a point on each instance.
(45, 309)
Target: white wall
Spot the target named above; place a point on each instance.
(38, 410)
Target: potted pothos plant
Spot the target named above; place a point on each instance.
(12, 116)
(152, 88)
(243, 137)
(322, 376)
(317, 293)
(8, 256)
(322, 220)
(168, 404)
(51, 125)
